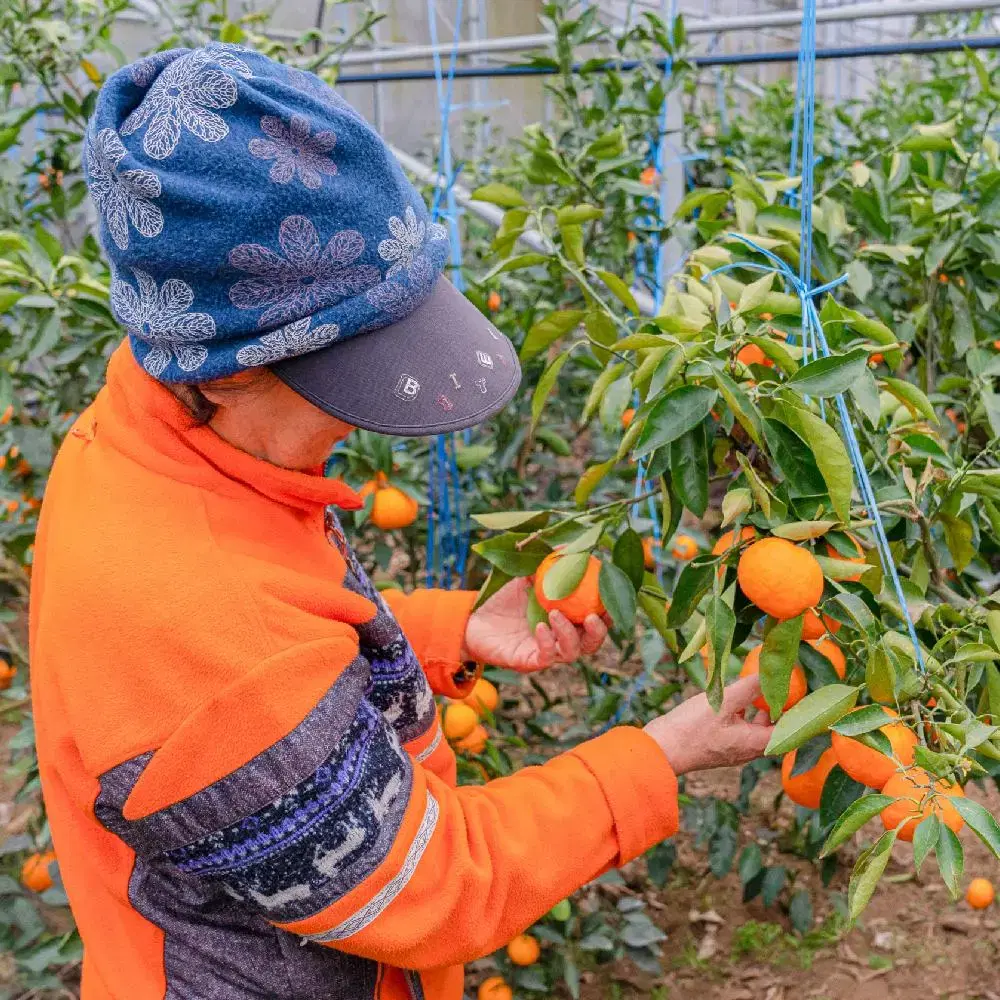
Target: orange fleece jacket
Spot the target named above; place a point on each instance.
(248, 791)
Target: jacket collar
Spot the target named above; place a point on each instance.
(145, 421)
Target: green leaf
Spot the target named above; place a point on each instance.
(629, 557)
(800, 911)
(856, 611)
(910, 396)
(564, 576)
(840, 791)
(600, 386)
(572, 239)
(503, 553)
(811, 716)
(617, 596)
(620, 290)
(880, 675)
(777, 658)
(549, 329)
(980, 821)
(510, 520)
(720, 624)
(958, 534)
(828, 451)
(863, 720)
(801, 531)
(695, 579)
(689, 469)
(925, 839)
(793, 458)
(951, 859)
(867, 872)
(545, 386)
(499, 194)
(518, 263)
(831, 376)
(589, 481)
(860, 812)
(753, 295)
(675, 414)
(570, 215)
(735, 503)
(742, 407)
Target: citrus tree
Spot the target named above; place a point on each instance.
(734, 425)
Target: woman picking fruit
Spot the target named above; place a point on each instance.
(245, 776)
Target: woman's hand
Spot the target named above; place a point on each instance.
(694, 737)
(499, 633)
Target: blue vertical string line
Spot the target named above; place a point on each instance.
(448, 536)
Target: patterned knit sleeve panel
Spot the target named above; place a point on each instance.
(398, 685)
(294, 829)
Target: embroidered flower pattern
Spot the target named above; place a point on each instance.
(144, 71)
(295, 151)
(307, 278)
(408, 241)
(122, 197)
(160, 317)
(288, 342)
(396, 299)
(184, 95)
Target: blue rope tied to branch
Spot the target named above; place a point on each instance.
(447, 531)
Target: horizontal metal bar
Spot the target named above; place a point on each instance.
(923, 47)
(493, 215)
(708, 26)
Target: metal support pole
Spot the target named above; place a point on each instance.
(709, 26)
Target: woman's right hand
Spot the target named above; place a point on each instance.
(696, 737)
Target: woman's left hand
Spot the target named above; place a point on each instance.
(498, 632)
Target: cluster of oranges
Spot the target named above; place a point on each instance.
(522, 950)
(391, 508)
(785, 581)
(684, 549)
(462, 719)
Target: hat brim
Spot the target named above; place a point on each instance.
(443, 368)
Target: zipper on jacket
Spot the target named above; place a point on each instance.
(414, 985)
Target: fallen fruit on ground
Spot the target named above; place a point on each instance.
(459, 721)
(869, 766)
(797, 686)
(35, 872)
(980, 893)
(475, 741)
(833, 653)
(584, 601)
(918, 796)
(782, 579)
(523, 950)
(483, 697)
(685, 548)
(494, 988)
(806, 789)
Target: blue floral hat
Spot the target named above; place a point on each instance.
(252, 217)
